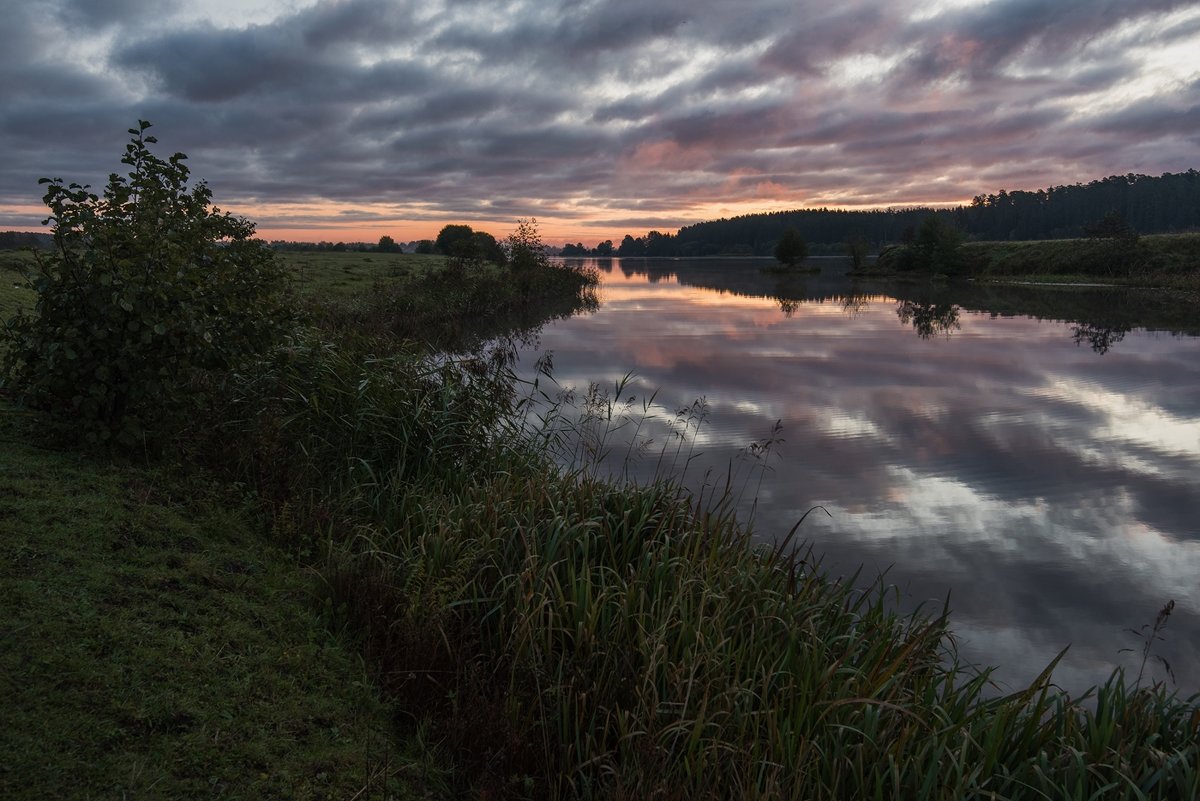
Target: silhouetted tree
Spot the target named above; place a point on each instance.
(1114, 228)
(790, 249)
(857, 249)
(454, 240)
(631, 247)
(387, 245)
(484, 247)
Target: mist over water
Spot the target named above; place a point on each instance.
(1042, 473)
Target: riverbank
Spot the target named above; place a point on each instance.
(158, 643)
(1159, 261)
(566, 636)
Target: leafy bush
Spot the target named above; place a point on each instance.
(145, 287)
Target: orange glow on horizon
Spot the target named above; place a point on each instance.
(319, 221)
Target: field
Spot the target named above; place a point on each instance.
(13, 291)
(1159, 260)
(326, 274)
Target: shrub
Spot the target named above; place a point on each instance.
(145, 287)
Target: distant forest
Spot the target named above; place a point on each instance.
(1151, 205)
(16, 240)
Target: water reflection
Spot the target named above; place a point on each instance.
(928, 318)
(1050, 490)
(1100, 337)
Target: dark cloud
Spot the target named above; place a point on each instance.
(90, 14)
(611, 110)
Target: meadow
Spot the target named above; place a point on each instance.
(555, 633)
(1165, 260)
(1170, 261)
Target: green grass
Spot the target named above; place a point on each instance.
(13, 291)
(1159, 260)
(157, 644)
(341, 275)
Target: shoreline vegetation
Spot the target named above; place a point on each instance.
(533, 627)
(1160, 261)
(554, 633)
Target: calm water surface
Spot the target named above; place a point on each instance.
(1045, 473)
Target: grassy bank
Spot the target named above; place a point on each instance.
(1165, 260)
(1160, 260)
(159, 644)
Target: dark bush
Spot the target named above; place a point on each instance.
(146, 287)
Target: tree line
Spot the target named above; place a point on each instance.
(1147, 204)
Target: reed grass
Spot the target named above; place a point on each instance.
(572, 634)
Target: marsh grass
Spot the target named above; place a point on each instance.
(1163, 260)
(1169, 261)
(461, 304)
(570, 633)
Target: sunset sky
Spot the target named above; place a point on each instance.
(348, 119)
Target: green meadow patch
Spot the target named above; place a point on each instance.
(342, 274)
(157, 644)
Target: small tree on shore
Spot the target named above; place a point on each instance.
(147, 286)
(857, 250)
(791, 249)
(524, 247)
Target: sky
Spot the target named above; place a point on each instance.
(349, 119)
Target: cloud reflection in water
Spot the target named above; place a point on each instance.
(1050, 487)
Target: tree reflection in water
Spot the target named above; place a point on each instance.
(928, 319)
(1100, 337)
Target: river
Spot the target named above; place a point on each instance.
(1030, 453)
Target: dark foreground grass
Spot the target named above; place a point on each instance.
(157, 644)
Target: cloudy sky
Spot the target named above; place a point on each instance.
(348, 119)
